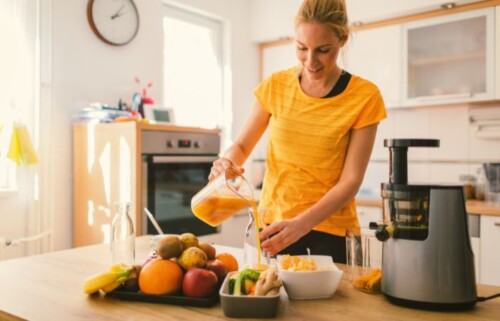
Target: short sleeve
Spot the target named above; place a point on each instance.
(263, 94)
(372, 112)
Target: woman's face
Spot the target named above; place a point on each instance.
(317, 49)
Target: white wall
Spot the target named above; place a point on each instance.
(84, 70)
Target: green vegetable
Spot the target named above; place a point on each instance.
(232, 282)
(241, 283)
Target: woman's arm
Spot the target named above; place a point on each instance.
(356, 161)
(244, 143)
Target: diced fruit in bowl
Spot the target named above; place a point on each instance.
(309, 276)
(251, 294)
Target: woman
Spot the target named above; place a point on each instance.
(322, 125)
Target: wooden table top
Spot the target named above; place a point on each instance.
(49, 287)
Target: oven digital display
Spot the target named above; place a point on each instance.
(184, 143)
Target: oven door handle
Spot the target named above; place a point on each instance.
(183, 159)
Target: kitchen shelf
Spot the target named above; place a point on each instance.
(447, 59)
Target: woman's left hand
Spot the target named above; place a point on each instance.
(280, 235)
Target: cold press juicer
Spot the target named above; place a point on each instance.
(427, 258)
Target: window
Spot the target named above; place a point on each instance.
(193, 68)
(19, 70)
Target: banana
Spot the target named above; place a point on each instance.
(107, 281)
(96, 282)
(113, 286)
(119, 267)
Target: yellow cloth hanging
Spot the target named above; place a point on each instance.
(21, 148)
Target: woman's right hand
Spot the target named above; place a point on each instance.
(221, 165)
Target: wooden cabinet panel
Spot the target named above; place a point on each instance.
(104, 172)
(490, 252)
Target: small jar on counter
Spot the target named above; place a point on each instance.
(469, 182)
(481, 184)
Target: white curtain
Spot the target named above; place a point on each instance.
(18, 73)
(20, 220)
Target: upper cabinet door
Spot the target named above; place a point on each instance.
(271, 20)
(449, 59)
(375, 54)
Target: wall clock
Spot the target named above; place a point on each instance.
(115, 22)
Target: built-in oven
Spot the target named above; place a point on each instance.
(175, 166)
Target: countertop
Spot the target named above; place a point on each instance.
(49, 287)
(472, 206)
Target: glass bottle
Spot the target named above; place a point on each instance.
(252, 241)
(469, 182)
(481, 185)
(122, 235)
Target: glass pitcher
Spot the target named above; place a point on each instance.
(223, 197)
(254, 256)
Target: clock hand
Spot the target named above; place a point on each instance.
(118, 13)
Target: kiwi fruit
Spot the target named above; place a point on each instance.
(169, 246)
(208, 249)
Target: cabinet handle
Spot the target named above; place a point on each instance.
(442, 97)
(497, 223)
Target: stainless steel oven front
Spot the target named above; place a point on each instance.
(175, 166)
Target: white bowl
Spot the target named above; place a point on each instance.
(318, 284)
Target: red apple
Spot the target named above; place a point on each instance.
(219, 269)
(199, 283)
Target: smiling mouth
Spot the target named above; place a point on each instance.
(314, 70)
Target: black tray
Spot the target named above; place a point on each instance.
(166, 299)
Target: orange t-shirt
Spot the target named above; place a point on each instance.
(308, 140)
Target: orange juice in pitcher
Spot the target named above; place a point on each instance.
(215, 209)
(223, 197)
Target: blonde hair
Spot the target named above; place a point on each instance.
(332, 13)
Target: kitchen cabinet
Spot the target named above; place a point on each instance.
(475, 242)
(376, 10)
(476, 249)
(449, 59)
(272, 19)
(108, 167)
(375, 54)
(278, 57)
(490, 251)
(104, 171)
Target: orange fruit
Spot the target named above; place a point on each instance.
(229, 261)
(160, 276)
